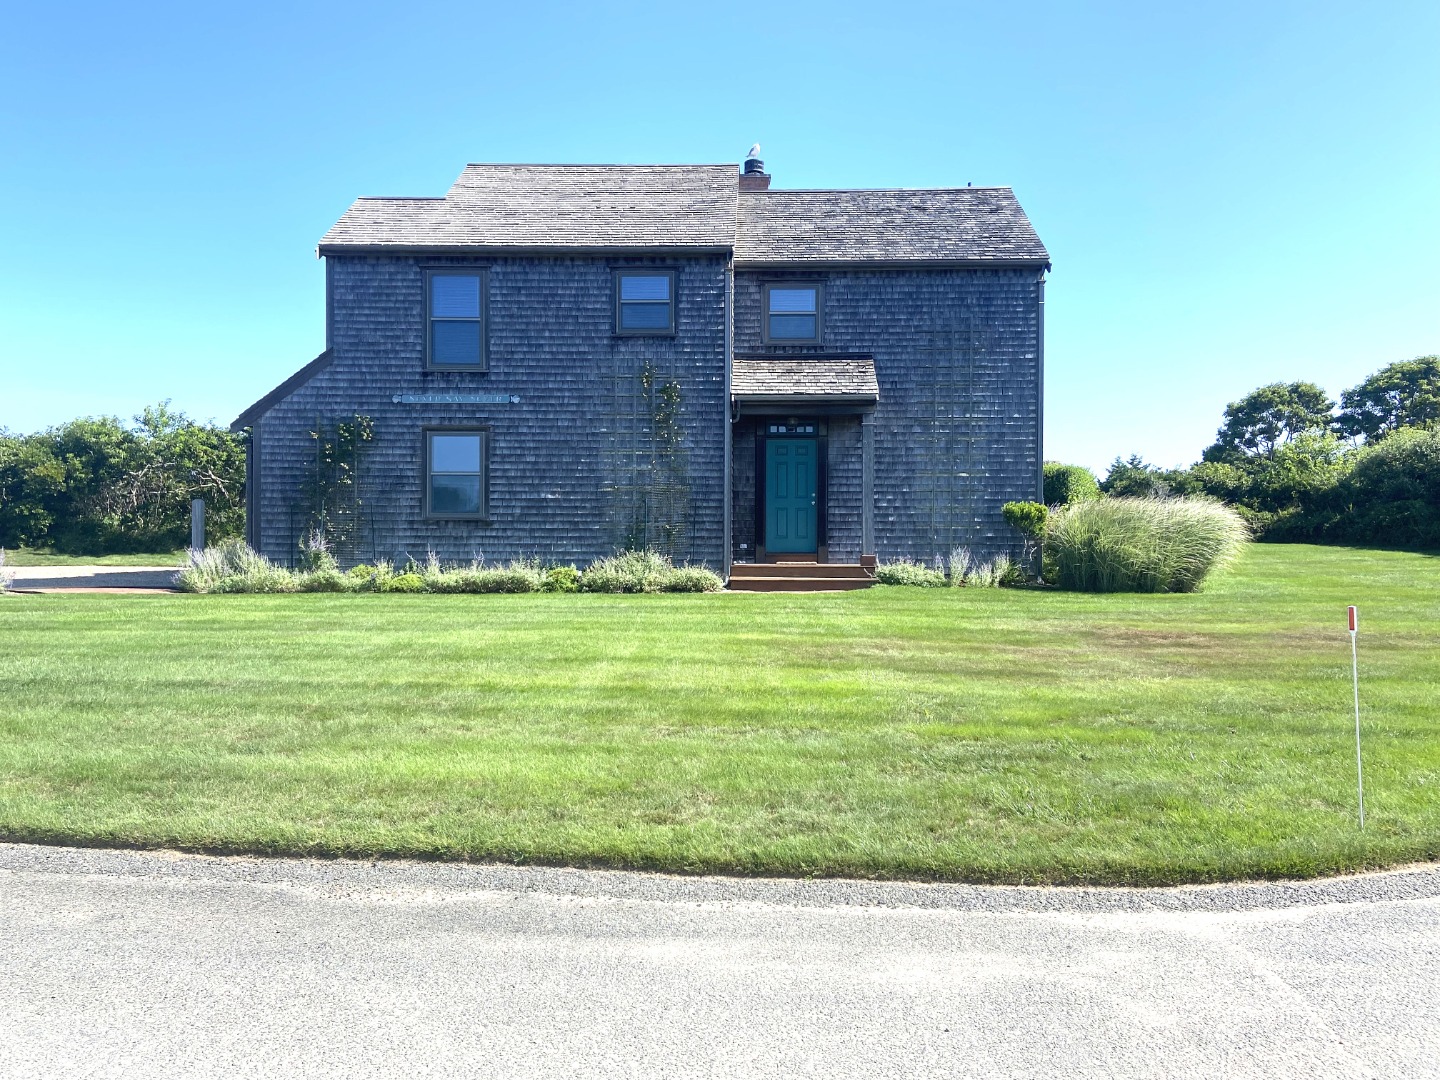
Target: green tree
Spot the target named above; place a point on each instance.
(1268, 417)
(1403, 394)
(32, 482)
(1135, 478)
(97, 485)
(1392, 495)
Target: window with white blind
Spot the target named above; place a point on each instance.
(455, 309)
(644, 302)
(792, 312)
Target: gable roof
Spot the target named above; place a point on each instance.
(970, 224)
(547, 207)
(658, 208)
(281, 392)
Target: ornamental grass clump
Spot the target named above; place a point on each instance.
(1141, 545)
(6, 576)
(999, 571)
(958, 566)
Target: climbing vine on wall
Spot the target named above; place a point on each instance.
(662, 513)
(334, 507)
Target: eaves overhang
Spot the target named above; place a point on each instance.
(811, 265)
(481, 251)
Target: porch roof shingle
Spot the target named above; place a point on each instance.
(809, 377)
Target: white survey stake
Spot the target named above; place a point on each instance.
(1355, 680)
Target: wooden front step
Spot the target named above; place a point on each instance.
(797, 577)
(798, 569)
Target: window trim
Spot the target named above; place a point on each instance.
(623, 272)
(431, 273)
(818, 286)
(426, 435)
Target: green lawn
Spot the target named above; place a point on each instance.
(42, 557)
(962, 734)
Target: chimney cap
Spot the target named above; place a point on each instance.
(753, 176)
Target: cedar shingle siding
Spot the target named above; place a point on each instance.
(931, 324)
(958, 420)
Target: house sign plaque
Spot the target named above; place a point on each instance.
(456, 399)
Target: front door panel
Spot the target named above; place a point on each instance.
(790, 490)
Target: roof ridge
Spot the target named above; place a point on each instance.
(601, 165)
(881, 191)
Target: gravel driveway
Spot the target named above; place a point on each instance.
(133, 964)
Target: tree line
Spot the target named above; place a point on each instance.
(99, 485)
(1300, 467)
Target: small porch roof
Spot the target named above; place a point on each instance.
(804, 380)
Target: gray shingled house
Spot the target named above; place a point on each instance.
(564, 360)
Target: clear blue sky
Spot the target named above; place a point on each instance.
(1232, 193)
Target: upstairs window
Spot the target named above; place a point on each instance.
(456, 334)
(644, 302)
(792, 313)
(455, 474)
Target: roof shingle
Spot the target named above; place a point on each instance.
(555, 206)
(901, 225)
(777, 378)
(693, 207)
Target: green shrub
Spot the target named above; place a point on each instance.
(908, 572)
(1141, 545)
(1026, 518)
(1392, 496)
(646, 572)
(1066, 485)
(233, 568)
(325, 580)
(404, 583)
(694, 579)
(365, 578)
(628, 572)
(103, 486)
(562, 579)
(276, 580)
(515, 578)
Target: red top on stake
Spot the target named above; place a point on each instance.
(1350, 611)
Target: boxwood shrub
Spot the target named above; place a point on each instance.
(1066, 485)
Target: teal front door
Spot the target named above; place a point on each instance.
(790, 490)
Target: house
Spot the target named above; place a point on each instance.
(564, 360)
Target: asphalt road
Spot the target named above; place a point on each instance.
(57, 578)
(122, 964)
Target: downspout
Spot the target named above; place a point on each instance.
(729, 412)
(1040, 390)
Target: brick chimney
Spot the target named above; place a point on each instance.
(753, 176)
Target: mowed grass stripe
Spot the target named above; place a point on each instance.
(950, 734)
